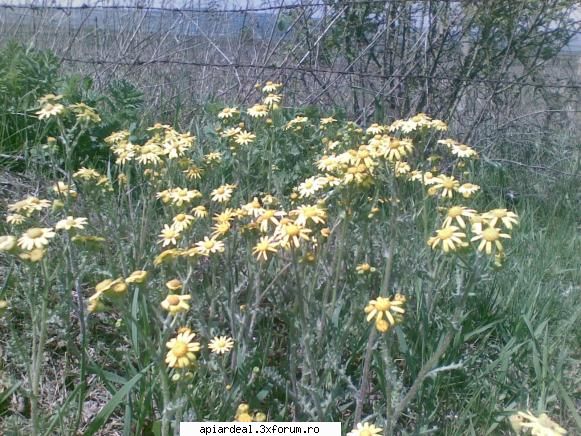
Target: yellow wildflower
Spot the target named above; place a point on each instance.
(271, 87)
(263, 247)
(7, 243)
(228, 112)
(383, 307)
(447, 184)
(208, 246)
(306, 213)
(175, 304)
(138, 276)
(450, 238)
(489, 236)
(35, 238)
(503, 215)
(181, 350)
(168, 236)
(468, 190)
(455, 213)
(258, 111)
(71, 223)
(174, 285)
(221, 344)
(363, 268)
(244, 137)
(289, 234)
(222, 194)
(365, 430)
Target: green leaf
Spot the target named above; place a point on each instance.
(5, 395)
(106, 411)
(261, 396)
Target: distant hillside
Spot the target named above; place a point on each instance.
(187, 23)
(259, 25)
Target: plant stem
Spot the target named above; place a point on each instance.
(442, 348)
(166, 414)
(365, 375)
(388, 384)
(39, 340)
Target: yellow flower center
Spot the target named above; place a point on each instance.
(352, 170)
(365, 432)
(364, 267)
(445, 233)
(363, 154)
(394, 145)
(499, 213)
(292, 230)
(34, 233)
(382, 304)
(220, 191)
(181, 217)
(180, 349)
(208, 245)
(455, 211)
(448, 184)
(174, 284)
(268, 214)
(310, 212)
(173, 300)
(308, 184)
(491, 234)
(223, 227)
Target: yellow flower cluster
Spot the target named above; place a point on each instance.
(243, 414)
(487, 229)
(417, 122)
(33, 241)
(198, 226)
(112, 289)
(182, 348)
(164, 141)
(50, 107)
(385, 145)
(542, 426)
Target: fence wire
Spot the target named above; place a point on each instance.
(370, 58)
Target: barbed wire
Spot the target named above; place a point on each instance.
(295, 68)
(206, 10)
(137, 63)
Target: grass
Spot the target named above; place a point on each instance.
(477, 342)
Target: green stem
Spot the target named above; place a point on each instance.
(463, 291)
(362, 394)
(165, 392)
(38, 344)
(82, 327)
(336, 269)
(388, 385)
